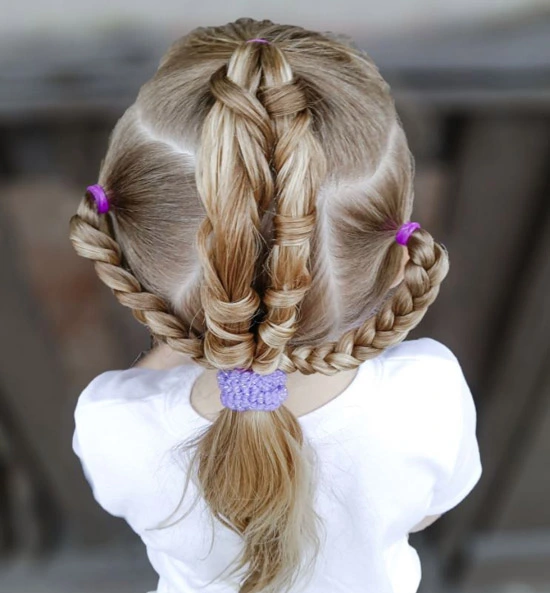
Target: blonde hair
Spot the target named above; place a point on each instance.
(255, 193)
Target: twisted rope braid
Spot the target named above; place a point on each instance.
(234, 180)
(91, 238)
(300, 166)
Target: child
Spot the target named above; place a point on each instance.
(252, 211)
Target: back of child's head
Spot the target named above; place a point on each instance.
(255, 189)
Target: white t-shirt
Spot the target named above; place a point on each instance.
(397, 445)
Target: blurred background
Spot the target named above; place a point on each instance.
(472, 85)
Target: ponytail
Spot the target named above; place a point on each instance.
(257, 476)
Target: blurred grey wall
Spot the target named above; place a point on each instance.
(349, 16)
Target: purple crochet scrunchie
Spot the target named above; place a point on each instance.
(244, 389)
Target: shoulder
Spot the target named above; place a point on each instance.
(110, 407)
(422, 363)
(425, 387)
(127, 402)
(424, 371)
(422, 349)
(119, 429)
(134, 394)
(430, 398)
(123, 386)
(118, 405)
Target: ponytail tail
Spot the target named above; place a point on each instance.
(256, 473)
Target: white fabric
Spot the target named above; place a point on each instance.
(398, 445)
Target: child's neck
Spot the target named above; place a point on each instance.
(305, 392)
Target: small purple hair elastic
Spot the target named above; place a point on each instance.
(98, 193)
(244, 389)
(405, 231)
(258, 40)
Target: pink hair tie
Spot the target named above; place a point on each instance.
(258, 40)
(405, 231)
(98, 193)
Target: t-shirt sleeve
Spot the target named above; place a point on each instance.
(104, 436)
(465, 468)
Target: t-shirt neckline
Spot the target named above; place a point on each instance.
(321, 421)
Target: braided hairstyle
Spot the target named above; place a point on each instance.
(255, 193)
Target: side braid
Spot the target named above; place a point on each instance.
(424, 272)
(300, 167)
(91, 238)
(234, 180)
